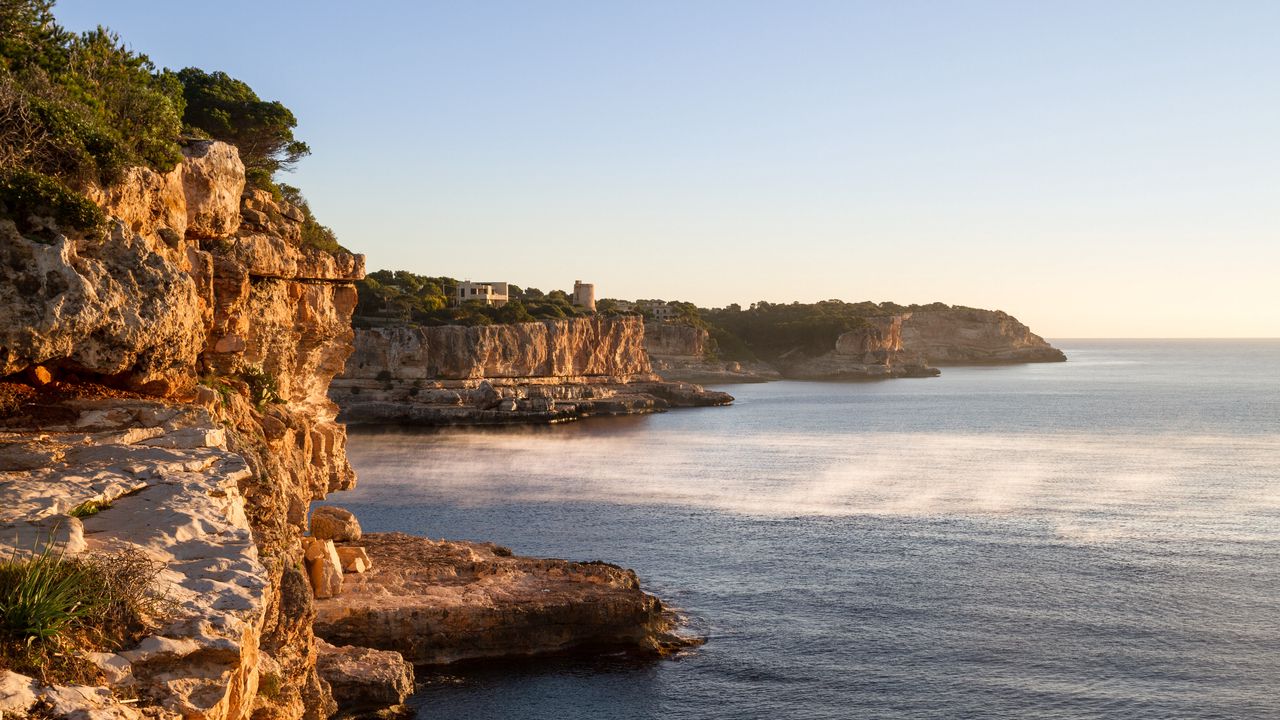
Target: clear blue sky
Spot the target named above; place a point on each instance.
(1095, 168)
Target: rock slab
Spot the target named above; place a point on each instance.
(438, 602)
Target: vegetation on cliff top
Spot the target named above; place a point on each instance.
(764, 331)
(229, 110)
(404, 297)
(78, 109)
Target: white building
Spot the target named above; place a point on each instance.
(489, 293)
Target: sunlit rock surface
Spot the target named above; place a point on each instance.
(549, 371)
(960, 336)
(440, 602)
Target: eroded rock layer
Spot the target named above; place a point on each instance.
(871, 352)
(961, 336)
(907, 344)
(548, 371)
(688, 354)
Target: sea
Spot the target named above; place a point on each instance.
(1092, 539)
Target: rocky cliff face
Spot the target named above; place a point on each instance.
(686, 353)
(903, 345)
(202, 305)
(611, 347)
(960, 336)
(547, 371)
(867, 353)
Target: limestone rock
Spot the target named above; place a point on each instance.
(871, 352)
(439, 602)
(17, 693)
(960, 335)
(270, 255)
(325, 569)
(78, 702)
(212, 181)
(682, 353)
(596, 346)
(112, 307)
(551, 371)
(146, 201)
(364, 679)
(354, 559)
(334, 523)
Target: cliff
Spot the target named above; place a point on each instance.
(686, 353)
(871, 352)
(547, 371)
(175, 372)
(961, 336)
(609, 347)
(906, 344)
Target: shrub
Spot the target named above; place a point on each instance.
(81, 107)
(313, 233)
(24, 193)
(91, 507)
(41, 597)
(263, 389)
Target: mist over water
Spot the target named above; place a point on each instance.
(1099, 538)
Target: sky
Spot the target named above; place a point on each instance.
(1097, 169)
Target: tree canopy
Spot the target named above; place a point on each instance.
(77, 109)
(227, 109)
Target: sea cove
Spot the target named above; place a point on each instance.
(1058, 540)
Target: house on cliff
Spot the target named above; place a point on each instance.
(489, 293)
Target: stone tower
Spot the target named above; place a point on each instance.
(584, 295)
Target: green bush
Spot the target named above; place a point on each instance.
(263, 389)
(81, 107)
(88, 508)
(313, 233)
(24, 193)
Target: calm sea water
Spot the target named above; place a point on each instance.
(1091, 539)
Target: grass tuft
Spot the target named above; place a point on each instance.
(53, 607)
(89, 507)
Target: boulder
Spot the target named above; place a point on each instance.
(353, 558)
(212, 180)
(334, 523)
(364, 679)
(325, 568)
(17, 693)
(114, 306)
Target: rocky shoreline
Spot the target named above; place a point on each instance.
(437, 602)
